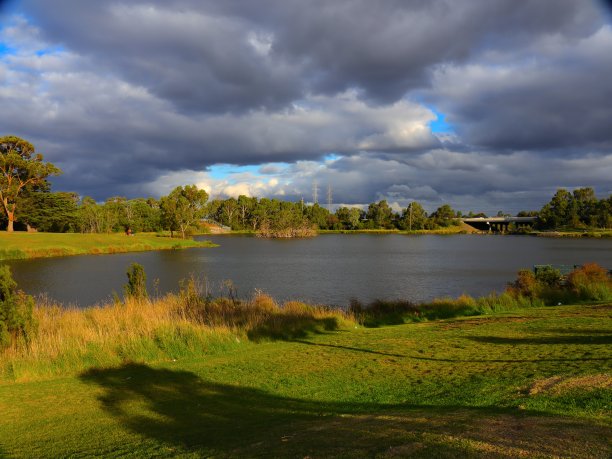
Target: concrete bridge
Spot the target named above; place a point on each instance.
(499, 224)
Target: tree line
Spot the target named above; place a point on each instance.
(29, 203)
(579, 209)
(186, 207)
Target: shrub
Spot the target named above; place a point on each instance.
(137, 282)
(549, 276)
(590, 282)
(16, 311)
(525, 284)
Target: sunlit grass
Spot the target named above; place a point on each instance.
(20, 245)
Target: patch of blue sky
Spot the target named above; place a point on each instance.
(440, 125)
(224, 171)
(6, 50)
(331, 157)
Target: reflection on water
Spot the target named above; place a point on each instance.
(328, 269)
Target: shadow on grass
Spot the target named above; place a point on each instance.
(581, 359)
(178, 412)
(347, 348)
(579, 331)
(289, 327)
(572, 339)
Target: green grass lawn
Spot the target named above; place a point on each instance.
(19, 245)
(534, 383)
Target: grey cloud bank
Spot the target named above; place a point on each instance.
(132, 97)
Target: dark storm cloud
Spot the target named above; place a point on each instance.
(522, 104)
(209, 56)
(136, 93)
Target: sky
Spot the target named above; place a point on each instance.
(484, 104)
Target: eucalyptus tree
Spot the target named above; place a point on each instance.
(380, 215)
(444, 216)
(183, 208)
(20, 167)
(349, 217)
(414, 217)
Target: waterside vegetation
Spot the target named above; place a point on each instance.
(140, 327)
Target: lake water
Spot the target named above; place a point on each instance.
(328, 269)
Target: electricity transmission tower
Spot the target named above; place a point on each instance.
(315, 192)
(329, 198)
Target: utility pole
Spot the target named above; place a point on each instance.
(315, 192)
(329, 198)
(410, 226)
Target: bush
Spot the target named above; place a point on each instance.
(549, 277)
(137, 282)
(525, 284)
(16, 311)
(590, 282)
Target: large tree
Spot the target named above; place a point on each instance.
(444, 216)
(182, 208)
(51, 212)
(20, 167)
(414, 217)
(380, 215)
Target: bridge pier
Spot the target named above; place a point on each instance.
(499, 224)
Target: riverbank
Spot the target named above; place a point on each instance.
(21, 245)
(591, 233)
(531, 382)
(448, 230)
(465, 229)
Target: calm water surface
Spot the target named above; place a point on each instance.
(328, 269)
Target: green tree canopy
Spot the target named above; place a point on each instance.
(20, 167)
(349, 217)
(380, 215)
(414, 217)
(51, 212)
(183, 207)
(444, 216)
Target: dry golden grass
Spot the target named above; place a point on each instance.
(558, 385)
(70, 339)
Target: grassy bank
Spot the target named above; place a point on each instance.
(535, 382)
(188, 324)
(20, 245)
(591, 233)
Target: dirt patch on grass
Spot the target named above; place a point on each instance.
(557, 385)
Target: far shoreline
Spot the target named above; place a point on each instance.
(25, 246)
